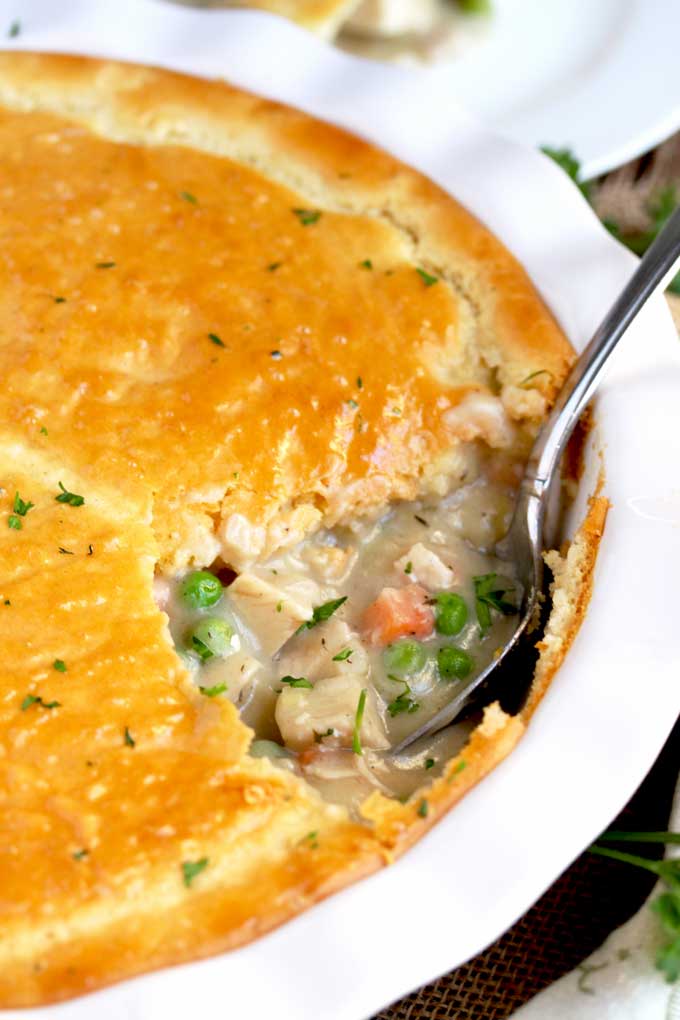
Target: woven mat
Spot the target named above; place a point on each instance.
(594, 895)
(573, 918)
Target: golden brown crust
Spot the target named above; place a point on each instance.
(112, 385)
(481, 328)
(570, 593)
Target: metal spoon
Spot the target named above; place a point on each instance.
(523, 544)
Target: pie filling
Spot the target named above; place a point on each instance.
(336, 650)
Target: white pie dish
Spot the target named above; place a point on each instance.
(614, 700)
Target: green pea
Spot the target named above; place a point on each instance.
(201, 589)
(405, 657)
(450, 613)
(213, 636)
(454, 663)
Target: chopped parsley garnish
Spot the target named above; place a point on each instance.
(427, 278)
(59, 665)
(311, 840)
(36, 699)
(343, 655)
(21, 506)
(14, 30)
(213, 337)
(353, 404)
(318, 737)
(273, 266)
(358, 719)
(79, 855)
(190, 870)
(279, 607)
(490, 594)
(188, 197)
(276, 355)
(43, 431)
(297, 681)
(404, 701)
(534, 375)
(105, 265)
(72, 498)
(212, 692)
(421, 520)
(360, 382)
(462, 764)
(58, 300)
(366, 264)
(423, 808)
(7, 602)
(430, 763)
(129, 739)
(321, 613)
(307, 216)
(408, 569)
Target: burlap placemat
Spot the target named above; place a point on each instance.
(594, 895)
(573, 918)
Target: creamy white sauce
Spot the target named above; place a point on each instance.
(414, 548)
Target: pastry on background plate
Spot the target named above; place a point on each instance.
(381, 29)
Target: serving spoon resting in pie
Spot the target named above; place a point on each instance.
(524, 543)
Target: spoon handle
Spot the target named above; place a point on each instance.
(656, 265)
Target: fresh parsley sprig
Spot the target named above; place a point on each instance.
(660, 206)
(667, 905)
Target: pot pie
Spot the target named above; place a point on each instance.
(267, 394)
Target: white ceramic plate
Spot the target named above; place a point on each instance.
(616, 697)
(601, 76)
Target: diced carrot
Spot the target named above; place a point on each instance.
(309, 756)
(398, 612)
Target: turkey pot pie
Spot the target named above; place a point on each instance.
(267, 394)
